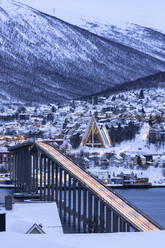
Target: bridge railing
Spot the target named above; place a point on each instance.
(115, 193)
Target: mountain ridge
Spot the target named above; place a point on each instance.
(151, 81)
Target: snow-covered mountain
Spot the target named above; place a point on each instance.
(141, 38)
(44, 59)
(138, 24)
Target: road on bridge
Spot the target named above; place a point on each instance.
(118, 204)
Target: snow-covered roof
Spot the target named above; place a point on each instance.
(24, 215)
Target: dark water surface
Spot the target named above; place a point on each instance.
(151, 201)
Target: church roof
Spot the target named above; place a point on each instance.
(96, 135)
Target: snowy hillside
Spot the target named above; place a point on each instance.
(143, 39)
(44, 59)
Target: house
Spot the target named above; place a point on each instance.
(35, 229)
(24, 218)
(4, 157)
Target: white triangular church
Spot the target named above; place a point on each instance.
(96, 135)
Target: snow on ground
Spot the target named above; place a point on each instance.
(118, 240)
(145, 13)
(139, 144)
(24, 215)
(15, 240)
(154, 174)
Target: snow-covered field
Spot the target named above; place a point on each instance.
(118, 240)
(46, 213)
(139, 144)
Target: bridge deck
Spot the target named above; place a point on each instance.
(139, 221)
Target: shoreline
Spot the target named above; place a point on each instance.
(137, 186)
(147, 186)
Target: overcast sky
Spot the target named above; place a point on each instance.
(144, 12)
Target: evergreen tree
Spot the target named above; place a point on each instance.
(75, 140)
(141, 95)
(53, 109)
(143, 110)
(95, 100)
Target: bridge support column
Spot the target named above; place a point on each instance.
(15, 169)
(108, 219)
(115, 222)
(85, 209)
(95, 214)
(57, 185)
(122, 225)
(48, 183)
(44, 160)
(18, 171)
(128, 227)
(60, 200)
(19, 188)
(65, 174)
(52, 188)
(25, 169)
(22, 170)
(69, 200)
(33, 172)
(101, 216)
(89, 212)
(37, 172)
(79, 206)
(29, 164)
(41, 168)
(74, 202)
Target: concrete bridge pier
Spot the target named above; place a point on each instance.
(65, 191)
(95, 214)
(79, 206)
(53, 182)
(74, 203)
(57, 174)
(108, 219)
(89, 211)
(69, 201)
(115, 222)
(85, 210)
(60, 193)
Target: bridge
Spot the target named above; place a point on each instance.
(83, 201)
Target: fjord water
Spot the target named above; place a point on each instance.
(150, 200)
